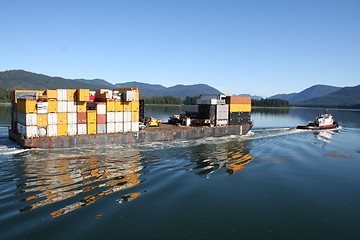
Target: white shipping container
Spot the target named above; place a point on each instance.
(52, 130)
(223, 122)
(28, 119)
(110, 117)
(72, 129)
(100, 108)
(27, 131)
(62, 106)
(71, 106)
(127, 116)
(82, 129)
(42, 107)
(222, 112)
(101, 128)
(135, 126)
(127, 126)
(62, 94)
(52, 118)
(72, 118)
(110, 127)
(119, 117)
(130, 96)
(119, 127)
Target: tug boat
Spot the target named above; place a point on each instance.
(322, 122)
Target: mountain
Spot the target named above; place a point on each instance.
(345, 97)
(307, 94)
(20, 79)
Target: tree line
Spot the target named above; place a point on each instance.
(5, 95)
(266, 102)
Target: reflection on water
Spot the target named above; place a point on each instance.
(232, 155)
(48, 181)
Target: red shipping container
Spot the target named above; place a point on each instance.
(81, 117)
(100, 118)
(238, 100)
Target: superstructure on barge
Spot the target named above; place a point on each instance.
(65, 118)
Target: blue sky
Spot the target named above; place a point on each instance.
(260, 47)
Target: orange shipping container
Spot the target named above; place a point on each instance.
(238, 100)
(100, 118)
(81, 117)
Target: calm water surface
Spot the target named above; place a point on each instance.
(275, 183)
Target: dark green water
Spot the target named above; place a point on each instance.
(275, 183)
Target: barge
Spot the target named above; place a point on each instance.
(67, 118)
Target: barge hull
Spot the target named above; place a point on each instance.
(146, 136)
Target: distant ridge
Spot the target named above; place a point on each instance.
(20, 79)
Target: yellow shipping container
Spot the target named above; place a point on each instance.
(51, 94)
(71, 94)
(110, 105)
(62, 129)
(42, 120)
(81, 106)
(119, 106)
(91, 128)
(26, 105)
(126, 106)
(91, 117)
(62, 118)
(135, 116)
(240, 108)
(52, 106)
(83, 95)
(135, 106)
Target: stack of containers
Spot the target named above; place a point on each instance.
(63, 112)
(213, 107)
(239, 109)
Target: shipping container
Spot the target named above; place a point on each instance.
(110, 105)
(100, 108)
(28, 119)
(42, 131)
(52, 118)
(240, 107)
(24, 94)
(238, 100)
(101, 128)
(110, 117)
(127, 116)
(110, 127)
(223, 122)
(126, 106)
(72, 118)
(62, 94)
(42, 107)
(135, 116)
(119, 127)
(62, 118)
(83, 95)
(51, 94)
(119, 106)
(81, 106)
(42, 120)
(52, 130)
(62, 106)
(91, 128)
(82, 129)
(91, 117)
(222, 112)
(100, 118)
(71, 106)
(62, 129)
(119, 117)
(26, 105)
(135, 106)
(72, 129)
(52, 106)
(71, 95)
(127, 126)
(238, 118)
(81, 117)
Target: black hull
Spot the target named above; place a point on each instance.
(312, 126)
